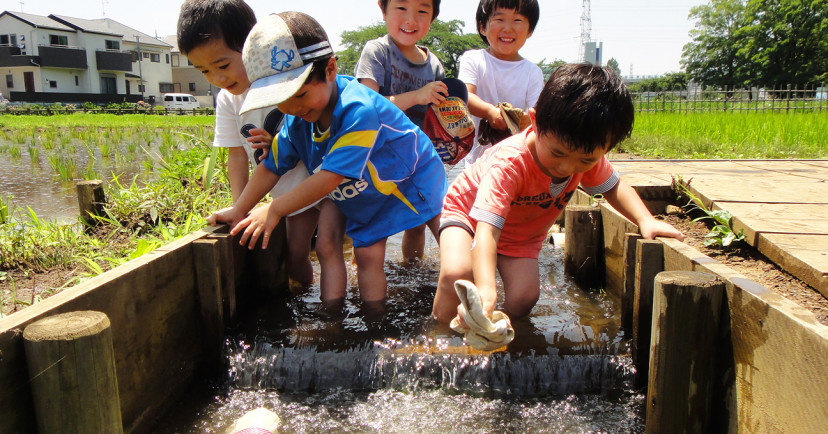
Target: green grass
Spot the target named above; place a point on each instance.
(107, 121)
(729, 135)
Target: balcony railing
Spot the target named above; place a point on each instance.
(62, 56)
(113, 60)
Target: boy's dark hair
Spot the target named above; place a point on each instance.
(527, 8)
(307, 31)
(203, 20)
(434, 3)
(585, 107)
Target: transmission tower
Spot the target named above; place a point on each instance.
(586, 29)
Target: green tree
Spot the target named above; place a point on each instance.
(445, 39)
(667, 82)
(549, 68)
(711, 58)
(785, 41)
(613, 65)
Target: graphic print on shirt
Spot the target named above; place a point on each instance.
(544, 200)
(272, 123)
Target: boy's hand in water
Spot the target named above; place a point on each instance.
(259, 223)
(260, 139)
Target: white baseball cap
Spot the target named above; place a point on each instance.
(275, 65)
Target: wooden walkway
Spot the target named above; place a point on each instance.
(782, 205)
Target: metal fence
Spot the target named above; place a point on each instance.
(788, 99)
(49, 110)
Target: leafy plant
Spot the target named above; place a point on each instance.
(722, 233)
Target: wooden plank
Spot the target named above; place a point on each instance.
(804, 256)
(756, 218)
(649, 260)
(765, 190)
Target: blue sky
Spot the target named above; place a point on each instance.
(644, 36)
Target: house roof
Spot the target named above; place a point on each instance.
(39, 21)
(104, 26)
(107, 26)
(173, 41)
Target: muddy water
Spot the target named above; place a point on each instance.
(566, 371)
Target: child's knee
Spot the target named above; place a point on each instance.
(518, 305)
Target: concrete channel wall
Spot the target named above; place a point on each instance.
(159, 336)
(774, 356)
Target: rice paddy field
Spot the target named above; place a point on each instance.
(723, 135)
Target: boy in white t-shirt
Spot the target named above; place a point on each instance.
(498, 74)
(211, 33)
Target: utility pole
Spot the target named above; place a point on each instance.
(140, 70)
(586, 29)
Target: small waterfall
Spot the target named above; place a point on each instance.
(374, 367)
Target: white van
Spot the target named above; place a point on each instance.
(176, 101)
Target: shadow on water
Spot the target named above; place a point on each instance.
(567, 370)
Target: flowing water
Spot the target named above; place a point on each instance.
(567, 370)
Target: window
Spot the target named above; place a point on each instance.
(113, 45)
(53, 84)
(155, 57)
(9, 81)
(141, 88)
(175, 60)
(166, 87)
(192, 87)
(168, 58)
(168, 98)
(8, 40)
(77, 82)
(145, 55)
(58, 40)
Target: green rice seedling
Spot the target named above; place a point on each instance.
(15, 152)
(63, 166)
(90, 173)
(47, 144)
(6, 209)
(34, 154)
(106, 148)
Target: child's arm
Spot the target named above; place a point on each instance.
(484, 110)
(626, 201)
(432, 93)
(484, 264)
(238, 170)
(263, 220)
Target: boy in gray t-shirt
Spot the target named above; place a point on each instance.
(406, 73)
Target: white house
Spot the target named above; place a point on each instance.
(65, 59)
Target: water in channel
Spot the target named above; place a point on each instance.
(568, 369)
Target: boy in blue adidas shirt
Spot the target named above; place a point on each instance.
(362, 151)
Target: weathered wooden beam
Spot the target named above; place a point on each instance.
(584, 246)
(649, 261)
(207, 262)
(628, 290)
(91, 200)
(71, 365)
(687, 307)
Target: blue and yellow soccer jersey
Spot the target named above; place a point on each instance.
(394, 179)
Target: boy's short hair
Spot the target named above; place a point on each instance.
(585, 107)
(203, 20)
(527, 8)
(434, 3)
(283, 52)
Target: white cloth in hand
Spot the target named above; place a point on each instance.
(483, 332)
